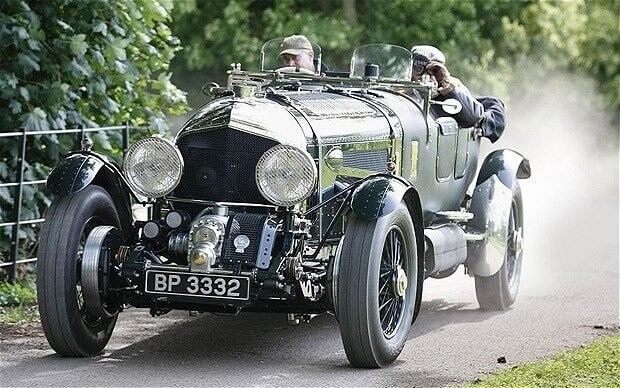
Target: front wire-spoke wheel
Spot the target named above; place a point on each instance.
(377, 287)
(392, 279)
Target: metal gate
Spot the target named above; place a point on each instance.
(15, 222)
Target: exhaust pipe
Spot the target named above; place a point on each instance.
(446, 248)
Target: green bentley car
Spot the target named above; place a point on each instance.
(292, 192)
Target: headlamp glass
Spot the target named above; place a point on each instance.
(286, 175)
(153, 167)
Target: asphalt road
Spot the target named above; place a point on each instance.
(569, 297)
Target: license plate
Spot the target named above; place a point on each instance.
(198, 285)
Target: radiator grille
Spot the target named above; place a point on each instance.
(371, 160)
(220, 166)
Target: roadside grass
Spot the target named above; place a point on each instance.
(593, 365)
(18, 303)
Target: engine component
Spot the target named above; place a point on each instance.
(153, 230)
(244, 250)
(267, 241)
(202, 257)
(178, 244)
(176, 219)
(208, 228)
(205, 239)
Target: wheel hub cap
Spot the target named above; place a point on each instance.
(517, 241)
(401, 282)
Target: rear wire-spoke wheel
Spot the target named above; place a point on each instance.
(499, 291)
(70, 327)
(377, 287)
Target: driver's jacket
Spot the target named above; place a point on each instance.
(486, 113)
(471, 112)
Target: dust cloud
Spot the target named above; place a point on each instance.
(571, 200)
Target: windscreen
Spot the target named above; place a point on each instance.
(394, 61)
(271, 59)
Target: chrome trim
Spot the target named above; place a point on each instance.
(91, 256)
(267, 240)
(214, 271)
(212, 203)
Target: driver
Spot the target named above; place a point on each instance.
(429, 61)
(297, 51)
(486, 113)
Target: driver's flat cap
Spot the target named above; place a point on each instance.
(431, 53)
(295, 45)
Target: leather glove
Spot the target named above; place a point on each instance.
(438, 70)
(442, 76)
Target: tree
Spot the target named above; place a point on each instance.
(486, 42)
(70, 63)
(216, 33)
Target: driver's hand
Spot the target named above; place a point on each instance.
(438, 70)
(442, 76)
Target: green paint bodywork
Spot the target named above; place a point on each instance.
(377, 197)
(83, 168)
(508, 165)
(73, 174)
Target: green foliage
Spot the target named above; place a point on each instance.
(20, 315)
(70, 63)
(18, 294)
(217, 33)
(233, 31)
(594, 365)
(486, 41)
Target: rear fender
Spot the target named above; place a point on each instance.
(490, 204)
(507, 165)
(81, 169)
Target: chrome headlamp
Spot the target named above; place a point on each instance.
(286, 175)
(153, 167)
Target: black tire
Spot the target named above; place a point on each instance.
(70, 329)
(372, 252)
(498, 292)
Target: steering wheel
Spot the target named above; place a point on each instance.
(294, 69)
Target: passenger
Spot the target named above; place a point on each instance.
(297, 51)
(486, 113)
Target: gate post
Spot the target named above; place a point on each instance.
(17, 208)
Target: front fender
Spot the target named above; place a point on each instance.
(490, 205)
(379, 195)
(80, 169)
(73, 174)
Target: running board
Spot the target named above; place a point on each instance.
(455, 216)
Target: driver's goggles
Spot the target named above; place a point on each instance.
(419, 66)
